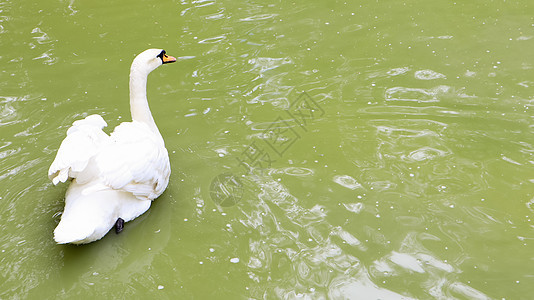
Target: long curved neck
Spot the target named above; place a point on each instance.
(138, 101)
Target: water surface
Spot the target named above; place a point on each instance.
(320, 150)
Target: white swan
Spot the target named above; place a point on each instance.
(114, 177)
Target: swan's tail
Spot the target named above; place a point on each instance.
(90, 212)
(71, 234)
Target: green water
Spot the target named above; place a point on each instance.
(319, 149)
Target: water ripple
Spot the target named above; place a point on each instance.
(345, 287)
(428, 75)
(298, 171)
(425, 153)
(407, 261)
(398, 71)
(212, 40)
(263, 64)
(40, 36)
(258, 17)
(416, 94)
(8, 115)
(353, 27)
(347, 181)
(464, 290)
(354, 207)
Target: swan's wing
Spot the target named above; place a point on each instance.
(81, 144)
(136, 161)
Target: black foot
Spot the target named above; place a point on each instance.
(119, 226)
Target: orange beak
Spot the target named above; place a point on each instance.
(168, 59)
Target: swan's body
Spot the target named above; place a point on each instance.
(113, 176)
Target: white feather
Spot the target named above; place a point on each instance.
(83, 140)
(113, 176)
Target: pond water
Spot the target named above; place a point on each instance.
(319, 149)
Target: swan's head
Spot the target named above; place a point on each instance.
(150, 59)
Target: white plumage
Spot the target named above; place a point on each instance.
(113, 176)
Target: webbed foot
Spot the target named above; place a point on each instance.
(119, 225)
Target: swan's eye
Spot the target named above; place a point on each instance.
(162, 54)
